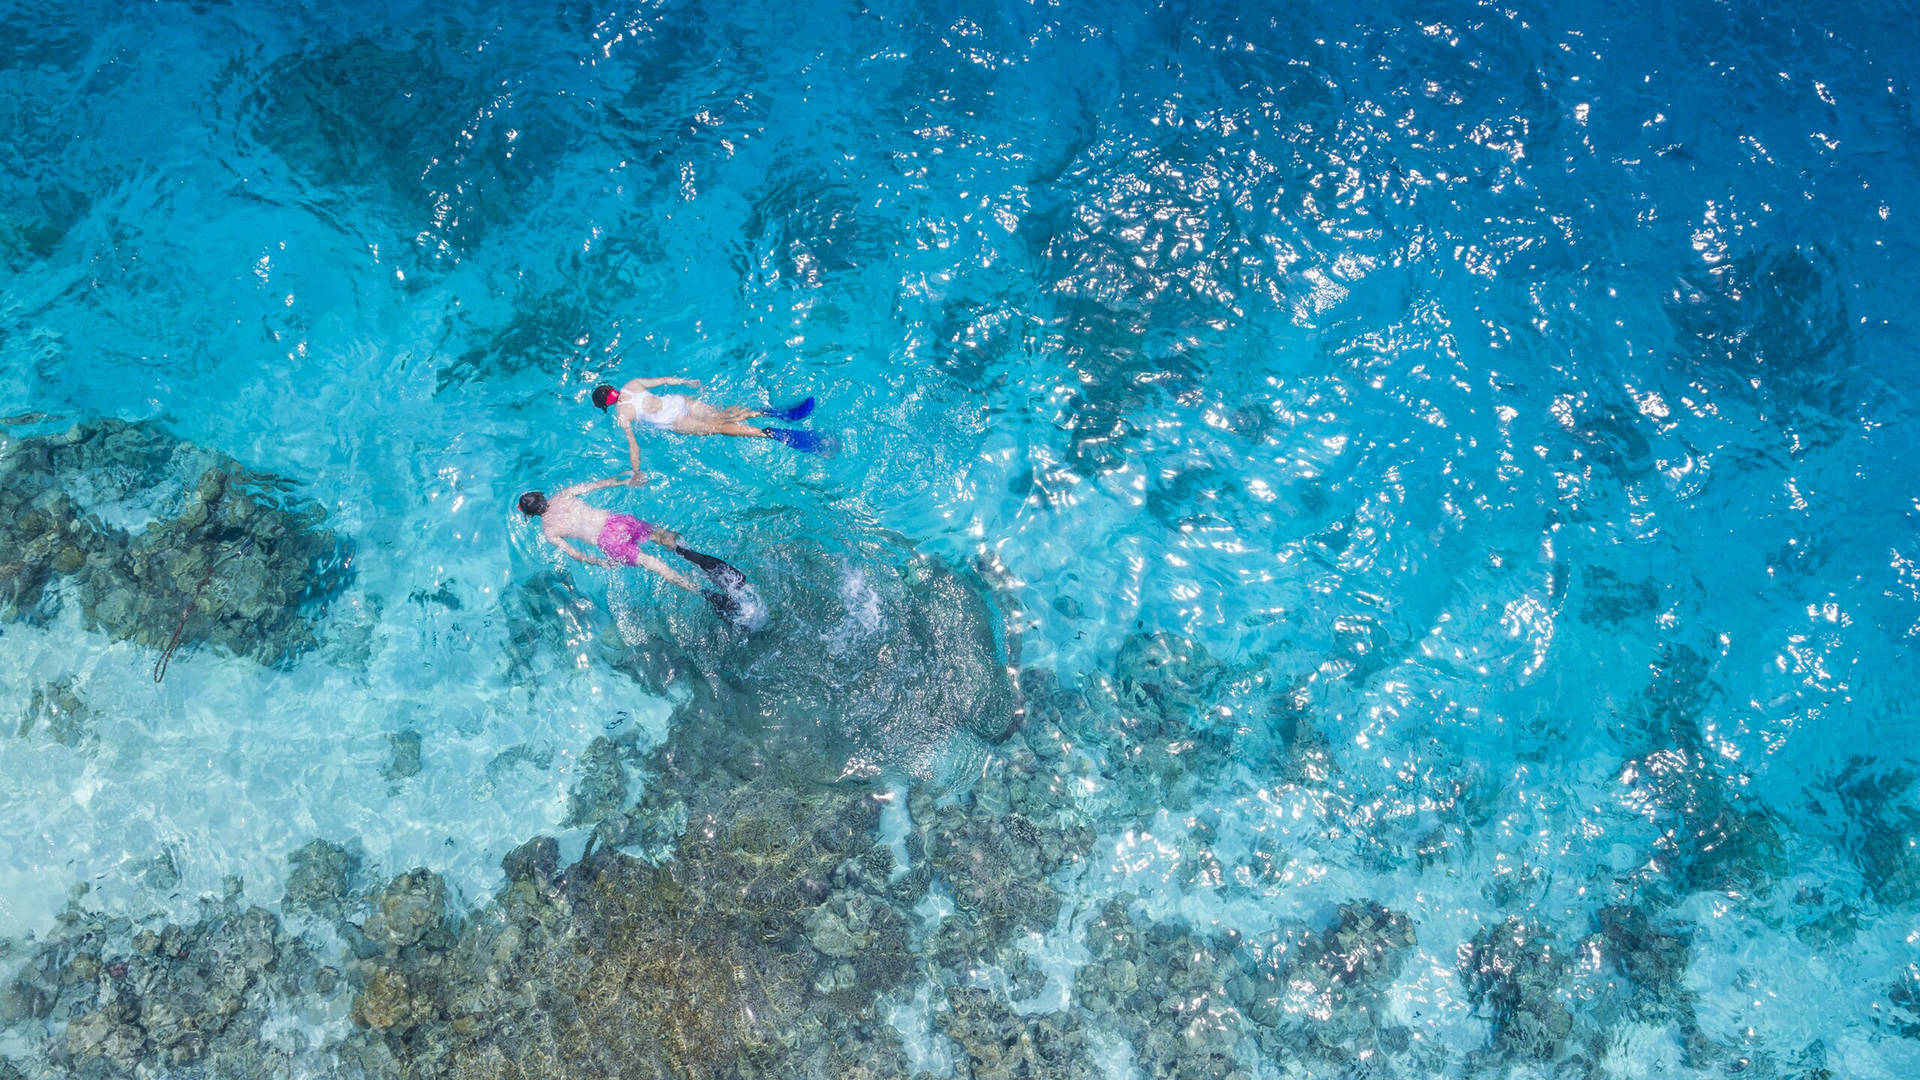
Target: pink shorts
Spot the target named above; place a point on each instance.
(622, 536)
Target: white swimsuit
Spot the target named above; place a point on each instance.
(669, 408)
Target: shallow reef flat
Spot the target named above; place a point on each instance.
(736, 913)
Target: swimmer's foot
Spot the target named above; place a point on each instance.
(726, 606)
(808, 442)
(799, 410)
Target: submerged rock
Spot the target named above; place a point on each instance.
(155, 535)
(883, 658)
(411, 906)
(57, 711)
(601, 785)
(1165, 990)
(321, 879)
(1156, 720)
(1513, 971)
(998, 1044)
(194, 997)
(404, 759)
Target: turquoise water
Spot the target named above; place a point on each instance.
(1452, 456)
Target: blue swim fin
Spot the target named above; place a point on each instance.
(807, 442)
(799, 410)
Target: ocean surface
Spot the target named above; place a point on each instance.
(1458, 458)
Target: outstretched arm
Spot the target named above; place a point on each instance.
(596, 485)
(633, 453)
(664, 380)
(591, 560)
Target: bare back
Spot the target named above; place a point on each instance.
(569, 517)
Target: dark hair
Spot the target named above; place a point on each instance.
(533, 504)
(602, 396)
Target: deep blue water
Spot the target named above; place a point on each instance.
(1521, 395)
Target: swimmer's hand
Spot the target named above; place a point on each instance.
(637, 478)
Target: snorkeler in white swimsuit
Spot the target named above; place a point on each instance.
(660, 410)
(636, 403)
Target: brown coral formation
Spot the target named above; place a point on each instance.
(139, 527)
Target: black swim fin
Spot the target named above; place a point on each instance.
(723, 574)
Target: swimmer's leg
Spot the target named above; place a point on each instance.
(718, 423)
(665, 571)
(722, 599)
(726, 576)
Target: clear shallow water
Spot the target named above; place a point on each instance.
(1520, 396)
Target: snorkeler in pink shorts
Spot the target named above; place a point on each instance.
(566, 517)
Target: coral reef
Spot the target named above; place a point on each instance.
(1653, 956)
(321, 879)
(885, 657)
(757, 947)
(997, 868)
(1152, 732)
(998, 1044)
(28, 236)
(103, 996)
(1612, 600)
(343, 112)
(1310, 999)
(404, 759)
(1513, 971)
(57, 709)
(184, 512)
(1164, 990)
(1708, 839)
(1320, 998)
(601, 785)
(1903, 995)
(744, 918)
(1886, 840)
(1156, 723)
(411, 907)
